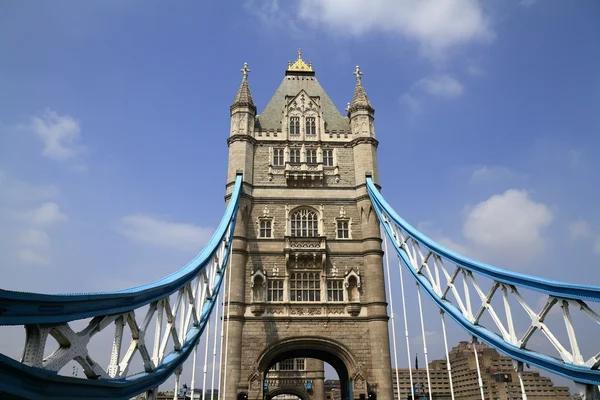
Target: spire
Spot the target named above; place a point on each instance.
(360, 99)
(243, 98)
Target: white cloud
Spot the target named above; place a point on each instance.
(411, 102)
(33, 257)
(508, 226)
(181, 236)
(61, 135)
(18, 191)
(493, 173)
(439, 86)
(46, 214)
(579, 229)
(443, 86)
(436, 25)
(33, 237)
(452, 245)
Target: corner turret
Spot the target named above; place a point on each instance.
(360, 111)
(243, 110)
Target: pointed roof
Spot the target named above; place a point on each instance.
(243, 98)
(271, 116)
(300, 76)
(360, 99)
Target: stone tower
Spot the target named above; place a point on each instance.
(307, 271)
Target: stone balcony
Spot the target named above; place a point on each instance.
(304, 174)
(305, 251)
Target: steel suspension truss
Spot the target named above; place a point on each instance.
(172, 312)
(455, 284)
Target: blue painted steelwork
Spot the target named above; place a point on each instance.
(20, 308)
(577, 373)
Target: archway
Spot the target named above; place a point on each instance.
(294, 392)
(327, 350)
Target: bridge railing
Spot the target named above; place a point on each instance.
(454, 283)
(172, 312)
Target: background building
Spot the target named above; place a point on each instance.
(500, 380)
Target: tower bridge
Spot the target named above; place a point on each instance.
(298, 269)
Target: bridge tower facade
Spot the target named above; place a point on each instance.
(306, 264)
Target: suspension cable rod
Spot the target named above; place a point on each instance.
(479, 380)
(229, 274)
(424, 342)
(389, 281)
(408, 353)
(448, 366)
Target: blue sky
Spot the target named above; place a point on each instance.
(114, 119)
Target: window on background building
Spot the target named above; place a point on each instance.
(304, 223)
(305, 286)
(275, 290)
(343, 229)
(286, 365)
(335, 290)
(266, 228)
(295, 156)
(328, 158)
(311, 156)
(278, 158)
(294, 125)
(300, 364)
(311, 126)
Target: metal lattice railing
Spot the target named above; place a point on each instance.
(469, 291)
(162, 322)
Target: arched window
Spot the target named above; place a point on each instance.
(304, 223)
(294, 125)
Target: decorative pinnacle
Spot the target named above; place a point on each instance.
(357, 72)
(300, 64)
(245, 70)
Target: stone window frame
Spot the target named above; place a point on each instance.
(261, 221)
(343, 217)
(280, 289)
(312, 156)
(299, 364)
(265, 217)
(341, 289)
(295, 156)
(332, 158)
(310, 125)
(278, 158)
(339, 221)
(294, 125)
(316, 291)
(317, 220)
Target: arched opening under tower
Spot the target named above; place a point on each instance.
(286, 394)
(328, 351)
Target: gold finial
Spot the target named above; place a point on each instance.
(357, 72)
(245, 70)
(299, 64)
